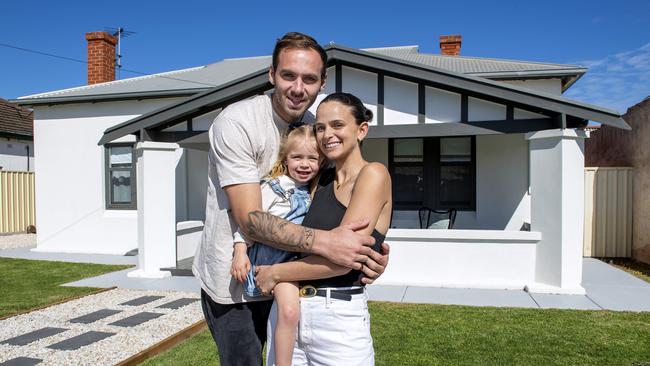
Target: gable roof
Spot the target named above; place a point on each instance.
(198, 79)
(257, 82)
(15, 121)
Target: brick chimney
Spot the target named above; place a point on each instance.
(101, 57)
(450, 45)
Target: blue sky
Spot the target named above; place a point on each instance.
(611, 38)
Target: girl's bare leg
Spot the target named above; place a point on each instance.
(288, 303)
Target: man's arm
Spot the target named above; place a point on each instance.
(343, 245)
(315, 267)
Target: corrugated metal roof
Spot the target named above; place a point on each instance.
(202, 77)
(478, 66)
(219, 73)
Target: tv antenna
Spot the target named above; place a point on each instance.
(119, 33)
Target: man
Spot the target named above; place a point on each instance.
(244, 143)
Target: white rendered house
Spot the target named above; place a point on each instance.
(493, 139)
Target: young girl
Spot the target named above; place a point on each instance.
(285, 193)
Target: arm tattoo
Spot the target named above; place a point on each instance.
(279, 233)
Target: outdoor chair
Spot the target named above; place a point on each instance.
(436, 219)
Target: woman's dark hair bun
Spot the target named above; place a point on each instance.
(368, 115)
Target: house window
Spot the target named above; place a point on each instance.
(407, 171)
(437, 172)
(120, 177)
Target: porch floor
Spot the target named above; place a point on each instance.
(183, 267)
(607, 287)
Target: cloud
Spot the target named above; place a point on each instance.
(617, 81)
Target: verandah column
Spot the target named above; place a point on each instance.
(557, 208)
(156, 195)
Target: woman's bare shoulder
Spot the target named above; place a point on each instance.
(374, 178)
(374, 170)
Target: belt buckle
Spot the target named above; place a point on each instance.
(307, 291)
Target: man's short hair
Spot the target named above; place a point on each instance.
(293, 40)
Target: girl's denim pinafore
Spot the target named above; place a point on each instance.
(261, 254)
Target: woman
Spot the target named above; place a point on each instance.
(334, 321)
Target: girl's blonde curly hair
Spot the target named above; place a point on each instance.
(299, 134)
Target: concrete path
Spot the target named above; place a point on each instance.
(121, 280)
(607, 287)
(614, 289)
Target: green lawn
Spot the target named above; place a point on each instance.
(28, 284)
(407, 334)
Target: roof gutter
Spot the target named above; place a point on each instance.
(17, 136)
(30, 102)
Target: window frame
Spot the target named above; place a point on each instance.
(391, 168)
(431, 167)
(133, 205)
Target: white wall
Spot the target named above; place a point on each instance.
(441, 106)
(14, 155)
(70, 196)
(552, 86)
(502, 199)
(483, 110)
(461, 258)
(400, 102)
(362, 84)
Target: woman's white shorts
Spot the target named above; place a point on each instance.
(331, 332)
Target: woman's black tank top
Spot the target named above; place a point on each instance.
(326, 213)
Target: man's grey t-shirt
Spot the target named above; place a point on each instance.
(244, 143)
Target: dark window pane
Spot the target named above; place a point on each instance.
(455, 184)
(121, 186)
(407, 151)
(408, 184)
(455, 149)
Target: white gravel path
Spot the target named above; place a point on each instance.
(127, 341)
(10, 241)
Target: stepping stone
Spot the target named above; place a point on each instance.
(95, 316)
(80, 341)
(21, 361)
(136, 319)
(142, 300)
(34, 336)
(176, 304)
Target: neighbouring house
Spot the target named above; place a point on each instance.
(494, 139)
(16, 168)
(612, 147)
(16, 137)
